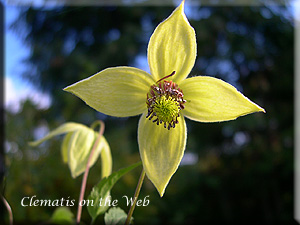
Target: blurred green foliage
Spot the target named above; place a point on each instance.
(239, 171)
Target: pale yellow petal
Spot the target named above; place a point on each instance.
(172, 47)
(210, 100)
(79, 147)
(106, 159)
(161, 150)
(65, 147)
(117, 91)
(62, 129)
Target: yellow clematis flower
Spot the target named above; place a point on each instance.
(164, 97)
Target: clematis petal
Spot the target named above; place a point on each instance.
(79, 147)
(172, 47)
(210, 100)
(161, 150)
(106, 159)
(117, 91)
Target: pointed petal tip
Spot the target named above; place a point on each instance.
(263, 110)
(258, 108)
(68, 88)
(161, 190)
(71, 87)
(181, 7)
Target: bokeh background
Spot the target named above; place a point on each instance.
(232, 172)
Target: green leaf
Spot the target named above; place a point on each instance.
(62, 215)
(102, 190)
(115, 216)
(65, 128)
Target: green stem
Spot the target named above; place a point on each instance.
(136, 194)
(86, 172)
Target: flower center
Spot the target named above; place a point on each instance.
(166, 109)
(164, 102)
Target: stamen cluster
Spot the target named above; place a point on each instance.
(164, 102)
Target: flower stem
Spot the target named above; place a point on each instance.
(8, 210)
(136, 194)
(86, 172)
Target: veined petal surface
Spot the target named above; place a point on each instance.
(172, 47)
(79, 147)
(211, 100)
(117, 91)
(161, 150)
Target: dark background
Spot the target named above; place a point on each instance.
(239, 171)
